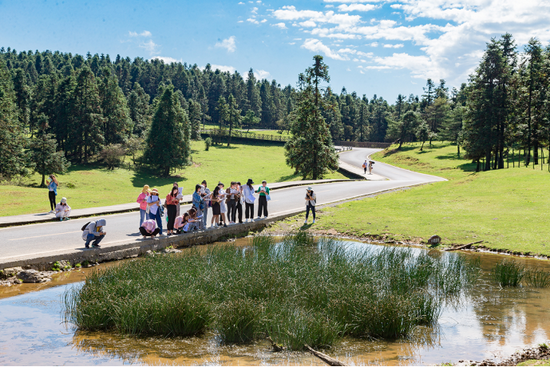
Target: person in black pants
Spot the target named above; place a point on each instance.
(52, 187)
(231, 202)
(171, 202)
(264, 193)
(248, 193)
(239, 206)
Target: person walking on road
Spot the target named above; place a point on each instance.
(310, 203)
(248, 193)
(371, 165)
(153, 201)
(52, 192)
(365, 167)
(142, 200)
(263, 199)
(171, 203)
(62, 210)
(94, 232)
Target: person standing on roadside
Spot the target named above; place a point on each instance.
(232, 193)
(222, 196)
(153, 202)
(365, 167)
(142, 200)
(171, 203)
(310, 203)
(179, 197)
(206, 195)
(263, 198)
(198, 202)
(52, 192)
(248, 193)
(240, 201)
(215, 207)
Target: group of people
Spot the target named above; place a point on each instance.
(62, 210)
(367, 166)
(226, 205)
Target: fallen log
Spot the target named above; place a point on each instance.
(323, 357)
(463, 246)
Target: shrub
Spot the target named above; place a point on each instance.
(112, 155)
(508, 273)
(207, 143)
(537, 278)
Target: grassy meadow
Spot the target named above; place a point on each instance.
(299, 291)
(91, 186)
(507, 209)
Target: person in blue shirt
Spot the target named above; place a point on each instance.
(52, 192)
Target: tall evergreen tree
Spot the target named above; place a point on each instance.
(167, 145)
(117, 124)
(310, 151)
(138, 106)
(13, 158)
(233, 116)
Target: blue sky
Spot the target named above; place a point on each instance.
(371, 46)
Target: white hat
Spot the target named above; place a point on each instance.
(309, 188)
(64, 200)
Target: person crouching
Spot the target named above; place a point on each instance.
(94, 232)
(62, 210)
(149, 228)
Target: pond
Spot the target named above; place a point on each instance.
(490, 322)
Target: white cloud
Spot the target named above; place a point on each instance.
(142, 34)
(223, 68)
(261, 74)
(150, 47)
(353, 1)
(315, 45)
(228, 44)
(166, 59)
(373, 44)
(330, 17)
(240, 3)
(308, 23)
(356, 7)
(254, 10)
(397, 45)
(263, 21)
(252, 20)
(280, 25)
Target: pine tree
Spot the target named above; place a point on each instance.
(117, 124)
(253, 100)
(44, 154)
(13, 158)
(138, 106)
(22, 98)
(310, 151)
(234, 116)
(167, 145)
(195, 116)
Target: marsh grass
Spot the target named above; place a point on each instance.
(537, 278)
(298, 291)
(508, 273)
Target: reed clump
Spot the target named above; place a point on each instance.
(508, 273)
(537, 278)
(298, 291)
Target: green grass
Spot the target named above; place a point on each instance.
(92, 186)
(508, 273)
(298, 291)
(507, 209)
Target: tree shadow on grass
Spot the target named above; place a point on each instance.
(147, 176)
(466, 167)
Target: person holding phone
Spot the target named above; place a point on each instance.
(222, 195)
(142, 200)
(52, 192)
(239, 206)
(215, 207)
(263, 197)
(171, 203)
(63, 210)
(310, 203)
(248, 193)
(153, 202)
(206, 196)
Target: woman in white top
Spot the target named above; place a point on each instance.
(248, 193)
(223, 207)
(62, 210)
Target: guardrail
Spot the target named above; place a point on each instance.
(216, 133)
(363, 144)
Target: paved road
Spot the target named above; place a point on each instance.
(47, 238)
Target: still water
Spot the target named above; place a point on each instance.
(490, 323)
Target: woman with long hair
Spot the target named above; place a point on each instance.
(215, 207)
(52, 192)
(171, 202)
(248, 192)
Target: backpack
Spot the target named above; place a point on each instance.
(85, 231)
(84, 226)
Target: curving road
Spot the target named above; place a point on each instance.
(52, 237)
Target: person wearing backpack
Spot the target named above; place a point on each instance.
(93, 231)
(310, 203)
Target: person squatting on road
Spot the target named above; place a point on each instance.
(62, 210)
(248, 193)
(310, 203)
(153, 202)
(52, 191)
(94, 232)
(142, 201)
(263, 199)
(149, 228)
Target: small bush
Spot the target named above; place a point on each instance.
(508, 273)
(237, 321)
(112, 155)
(537, 278)
(207, 143)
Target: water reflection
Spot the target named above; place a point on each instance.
(489, 322)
